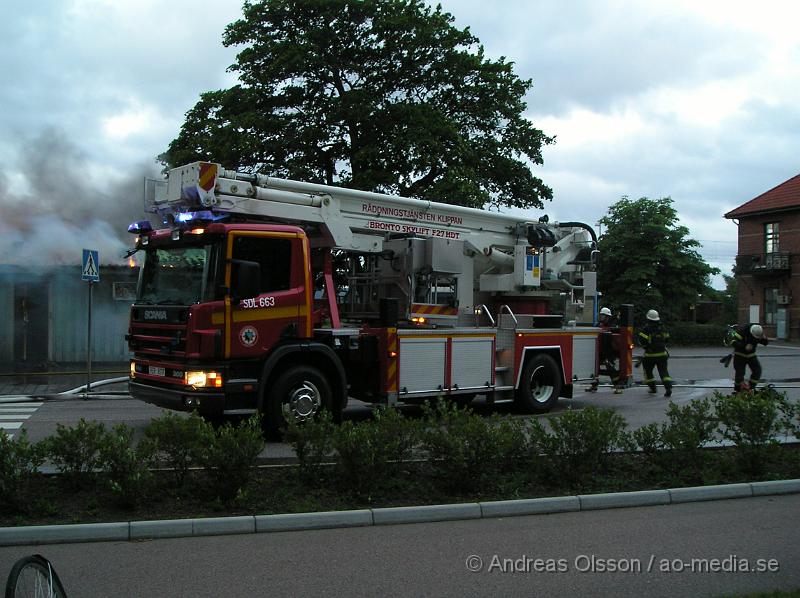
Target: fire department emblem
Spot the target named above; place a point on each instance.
(248, 336)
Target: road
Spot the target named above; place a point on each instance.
(697, 371)
(657, 551)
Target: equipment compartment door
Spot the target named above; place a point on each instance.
(471, 363)
(422, 365)
(584, 356)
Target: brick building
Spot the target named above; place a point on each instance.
(768, 260)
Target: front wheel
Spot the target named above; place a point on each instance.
(540, 385)
(298, 395)
(34, 576)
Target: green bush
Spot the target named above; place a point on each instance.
(753, 421)
(230, 458)
(687, 431)
(19, 460)
(687, 333)
(468, 452)
(370, 453)
(179, 441)
(126, 465)
(648, 439)
(581, 440)
(312, 442)
(75, 451)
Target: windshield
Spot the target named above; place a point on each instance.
(177, 275)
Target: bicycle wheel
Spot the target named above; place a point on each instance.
(34, 577)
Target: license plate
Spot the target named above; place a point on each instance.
(156, 371)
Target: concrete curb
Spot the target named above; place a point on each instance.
(179, 528)
(614, 500)
(426, 513)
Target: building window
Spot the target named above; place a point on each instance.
(770, 306)
(771, 237)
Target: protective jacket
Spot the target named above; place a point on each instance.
(744, 343)
(653, 338)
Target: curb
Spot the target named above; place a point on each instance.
(255, 524)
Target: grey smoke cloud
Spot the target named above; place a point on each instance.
(58, 204)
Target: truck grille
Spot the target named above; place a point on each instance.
(158, 330)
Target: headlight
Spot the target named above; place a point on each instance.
(133, 369)
(203, 379)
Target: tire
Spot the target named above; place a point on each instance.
(540, 385)
(34, 576)
(299, 393)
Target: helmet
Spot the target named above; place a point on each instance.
(605, 312)
(757, 331)
(652, 315)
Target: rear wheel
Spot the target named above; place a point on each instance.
(298, 395)
(540, 385)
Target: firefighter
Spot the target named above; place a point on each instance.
(653, 338)
(743, 340)
(608, 357)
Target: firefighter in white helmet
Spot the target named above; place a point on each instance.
(743, 339)
(608, 357)
(653, 338)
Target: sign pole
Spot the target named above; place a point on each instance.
(89, 343)
(90, 272)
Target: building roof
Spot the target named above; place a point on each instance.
(784, 196)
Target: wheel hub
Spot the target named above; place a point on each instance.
(304, 402)
(540, 391)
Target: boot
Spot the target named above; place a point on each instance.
(592, 388)
(668, 392)
(652, 390)
(617, 390)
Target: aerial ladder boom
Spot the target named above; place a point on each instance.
(507, 246)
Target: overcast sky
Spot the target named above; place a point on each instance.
(698, 100)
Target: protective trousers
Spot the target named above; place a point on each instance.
(648, 363)
(740, 363)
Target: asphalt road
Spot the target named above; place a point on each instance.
(697, 372)
(695, 549)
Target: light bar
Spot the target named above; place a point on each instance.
(193, 218)
(140, 227)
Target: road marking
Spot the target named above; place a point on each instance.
(13, 415)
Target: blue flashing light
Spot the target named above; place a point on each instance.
(140, 227)
(185, 218)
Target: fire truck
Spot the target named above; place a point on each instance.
(260, 294)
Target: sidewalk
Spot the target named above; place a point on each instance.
(61, 379)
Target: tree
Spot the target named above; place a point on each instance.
(380, 95)
(648, 260)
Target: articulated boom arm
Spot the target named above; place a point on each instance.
(352, 220)
(513, 255)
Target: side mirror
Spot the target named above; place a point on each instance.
(246, 279)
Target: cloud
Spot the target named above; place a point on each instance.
(692, 100)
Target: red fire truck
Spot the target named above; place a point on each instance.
(268, 295)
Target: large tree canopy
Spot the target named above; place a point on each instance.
(381, 95)
(648, 260)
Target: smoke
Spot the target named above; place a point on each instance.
(60, 204)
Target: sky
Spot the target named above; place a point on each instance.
(698, 100)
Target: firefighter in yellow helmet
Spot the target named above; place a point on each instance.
(653, 338)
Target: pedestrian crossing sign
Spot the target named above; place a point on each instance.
(91, 265)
